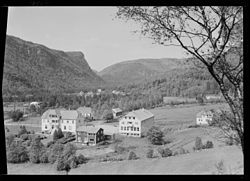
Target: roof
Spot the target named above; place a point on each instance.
(116, 110)
(108, 129)
(85, 110)
(69, 114)
(48, 112)
(66, 114)
(203, 112)
(89, 129)
(141, 114)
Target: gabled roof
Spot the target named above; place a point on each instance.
(204, 113)
(141, 114)
(116, 110)
(88, 129)
(48, 112)
(85, 110)
(69, 114)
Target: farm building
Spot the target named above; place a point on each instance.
(36, 104)
(204, 117)
(212, 97)
(67, 120)
(117, 112)
(85, 111)
(174, 100)
(89, 135)
(135, 123)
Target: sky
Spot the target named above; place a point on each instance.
(102, 38)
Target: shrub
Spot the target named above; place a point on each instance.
(132, 156)
(17, 153)
(198, 144)
(119, 149)
(9, 139)
(209, 144)
(150, 153)
(16, 115)
(54, 152)
(175, 153)
(50, 143)
(57, 134)
(44, 157)
(155, 136)
(36, 151)
(81, 159)
(165, 152)
(24, 136)
(182, 151)
(22, 131)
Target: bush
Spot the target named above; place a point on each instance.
(132, 156)
(81, 159)
(24, 137)
(50, 143)
(175, 153)
(198, 144)
(209, 144)
(36, 151)
(22, 131)
(165, 152)
(150, 153)
(182, 151)
(57, 134)
(16, 115)
(17, 153)
(44, 157)
(54, 152)
(119, 149)
(155, 136)
(9, 139)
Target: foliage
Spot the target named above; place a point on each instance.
(164, 152)
(119, 149)
(209, 144)
(198, 143)
(132, 156)
(36, 150)
(81, 159)
(57, 134)
(182, 151)
(22, 131)
(9, 139)
(17, 153)
(54, 152)
(16, 115)
(44, 157)
(25, 136)
(50, 143)
(155, 136)
(150, 153)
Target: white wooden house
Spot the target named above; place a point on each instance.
(204, 117)
(67, 120)
(135, 123)
(117, 112)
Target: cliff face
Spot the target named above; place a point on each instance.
(29, 65)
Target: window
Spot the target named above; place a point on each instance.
(91, 139)
(137, 128)
(125, 117)
(64, 127)
(129, 117)
(128, 128)
(67, 121)
(134, 128)
(46, 127)
(52, 127)
(121, 128)
(72, 121)
(124, 128)
(130, 122)
(133, 117)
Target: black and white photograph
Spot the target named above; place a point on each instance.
(123, 90)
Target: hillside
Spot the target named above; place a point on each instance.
(135, 71)
(30, 66)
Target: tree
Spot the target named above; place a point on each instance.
(16, 115)
(36, 151)
(22, 131)
(107, 115)
(198, 143)
(17, 153)
(155, 136)
(212, 35)
(57, 134)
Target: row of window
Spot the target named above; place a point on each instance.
(130, 122)
(64, 127)
(131, 128)
(64, 121)
(129, 117)
(133, 134)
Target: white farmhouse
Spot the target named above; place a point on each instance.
(204, 117)
(67, 120)
(135, 123)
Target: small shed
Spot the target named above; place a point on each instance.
(89, 135)
(204, 117)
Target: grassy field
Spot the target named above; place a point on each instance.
(202, 162)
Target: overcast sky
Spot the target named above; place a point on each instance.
(95, 31)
